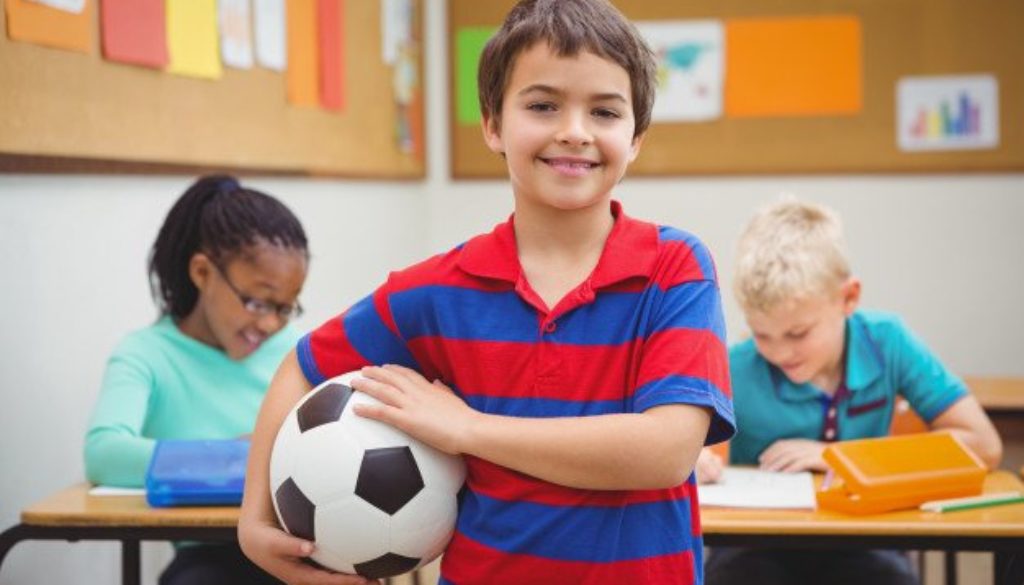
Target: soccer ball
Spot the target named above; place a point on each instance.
(375, 501)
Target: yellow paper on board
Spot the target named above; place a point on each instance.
(192, 38)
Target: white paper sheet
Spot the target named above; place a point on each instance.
(753, 488)
(235, 33)
(106, 490)
(271, 34)
(73, 6)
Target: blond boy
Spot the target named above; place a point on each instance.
(816, 370)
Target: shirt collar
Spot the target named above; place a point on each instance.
(864, 362)
(630, 251)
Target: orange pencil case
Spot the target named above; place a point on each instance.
(892, 473)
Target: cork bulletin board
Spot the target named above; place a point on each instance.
(895, 39)
(67, 111)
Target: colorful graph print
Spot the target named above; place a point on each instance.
(690, 65)
(948, 113)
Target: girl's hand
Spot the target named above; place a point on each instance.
(793, 455)
(709, 466)
(283, 556)
(430, 412)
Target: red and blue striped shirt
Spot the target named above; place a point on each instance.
(645, 329)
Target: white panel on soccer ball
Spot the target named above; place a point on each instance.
(351, 529)
(370, 433)
(326, 463)
(414, 529)
(332, 561)
(439, 470)
(281, 466)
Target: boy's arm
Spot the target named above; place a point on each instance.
(942, 399)
(259, 535)
(648, 450)
(966, 420)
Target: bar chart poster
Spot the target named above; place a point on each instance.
(948, 113)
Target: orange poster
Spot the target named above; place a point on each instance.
(35, 23)
(809, 66)
(303, 75)
(330, 23)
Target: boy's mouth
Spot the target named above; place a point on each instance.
(570, 165)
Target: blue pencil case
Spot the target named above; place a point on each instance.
(197, 473)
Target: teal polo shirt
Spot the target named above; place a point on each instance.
(884, 360)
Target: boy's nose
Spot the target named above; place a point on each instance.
(573, 130)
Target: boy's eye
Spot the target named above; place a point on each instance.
(606, 113)
(541, 107)
(797, 334)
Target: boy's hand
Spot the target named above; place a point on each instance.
(430, 412)
(709, 466)
(792, 455)
(283, 556)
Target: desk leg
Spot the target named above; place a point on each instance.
(1009, 568)
(950, 572)
(11, 537)
(130, 562)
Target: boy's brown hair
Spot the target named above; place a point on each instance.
(568, 26)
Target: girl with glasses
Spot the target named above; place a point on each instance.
(226, 270)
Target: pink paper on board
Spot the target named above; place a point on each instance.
(134, 31)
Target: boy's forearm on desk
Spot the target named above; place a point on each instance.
(966, 420)
(650, 450)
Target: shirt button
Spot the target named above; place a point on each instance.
(830, 434)
(550, 327)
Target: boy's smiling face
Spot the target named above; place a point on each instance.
(566, 128)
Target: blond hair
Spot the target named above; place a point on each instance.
(789, 251)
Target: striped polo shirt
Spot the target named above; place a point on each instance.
(645, 329)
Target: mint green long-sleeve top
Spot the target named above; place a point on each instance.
(162, 384)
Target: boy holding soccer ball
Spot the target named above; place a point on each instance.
(574, 356)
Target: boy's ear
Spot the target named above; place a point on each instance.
(634, 148)
(851, 295)
(200, 270)
(492, 134)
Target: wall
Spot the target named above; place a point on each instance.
(942, 250)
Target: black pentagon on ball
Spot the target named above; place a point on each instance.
(388, 478)
(323, 407)
(387, 565)
(297, 512)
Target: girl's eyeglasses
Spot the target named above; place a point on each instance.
(258, 306)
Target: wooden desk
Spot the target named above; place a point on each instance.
(998, 529)
(72, 514)
(998, 394)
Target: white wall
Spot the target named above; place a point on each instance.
(942, 250)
